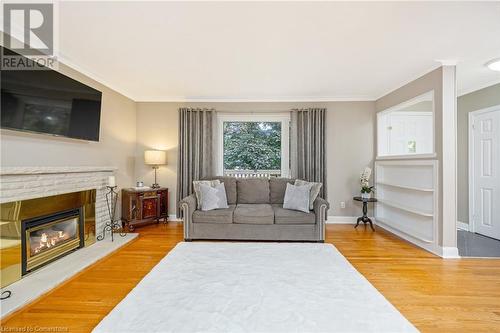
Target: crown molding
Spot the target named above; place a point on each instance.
(63, 59)
(477, 87)
(448, 62)
(282, 99)
(405, 82)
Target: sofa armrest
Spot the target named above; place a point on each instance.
(188, 206)
(320, 208)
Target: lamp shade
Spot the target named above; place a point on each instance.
(155, 157)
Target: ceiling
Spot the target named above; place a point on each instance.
(276, 51)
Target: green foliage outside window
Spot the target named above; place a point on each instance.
(252, 145)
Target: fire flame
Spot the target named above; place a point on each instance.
(50, 240)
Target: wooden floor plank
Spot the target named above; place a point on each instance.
(436, 295)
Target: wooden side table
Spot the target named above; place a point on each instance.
(365, 219)
(144, 206)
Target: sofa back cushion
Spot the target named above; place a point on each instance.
(277, 187)
(230, 185)
(253, 190)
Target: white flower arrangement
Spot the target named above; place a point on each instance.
(364, 180)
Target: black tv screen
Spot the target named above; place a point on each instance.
(46, 101)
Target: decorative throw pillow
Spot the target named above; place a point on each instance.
(316, 187)
(297, 197)
(213, 197)
(196, 188)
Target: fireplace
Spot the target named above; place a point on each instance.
(49, 237)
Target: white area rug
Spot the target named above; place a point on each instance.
(48, 277)
(254, 287)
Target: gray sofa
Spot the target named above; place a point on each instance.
(255, 213)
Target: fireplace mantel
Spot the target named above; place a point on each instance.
(25, 183)
(4, 171)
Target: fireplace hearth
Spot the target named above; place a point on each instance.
(50, 237)
(56, 224)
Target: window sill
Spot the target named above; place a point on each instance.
(406, 157)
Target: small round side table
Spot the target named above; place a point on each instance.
(365, 219)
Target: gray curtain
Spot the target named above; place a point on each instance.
(195, 149)
(308, 142)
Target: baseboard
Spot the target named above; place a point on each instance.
(449, 252)
(443, 252)
(173, 217)
(344, 219)
(462, 226)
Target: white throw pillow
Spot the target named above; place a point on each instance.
(297, 197)
(196, 188)
(213, 197)
(313, 194)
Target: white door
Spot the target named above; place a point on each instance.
(485, 164)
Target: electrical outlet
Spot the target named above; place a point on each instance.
(342, 204)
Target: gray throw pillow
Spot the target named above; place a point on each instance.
(196, 188)
(213, 197)
(316, 187)
(297, 197)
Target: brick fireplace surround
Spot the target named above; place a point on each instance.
(24, 183)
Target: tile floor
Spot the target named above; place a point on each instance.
(474, 245)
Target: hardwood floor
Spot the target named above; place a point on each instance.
(461, 295)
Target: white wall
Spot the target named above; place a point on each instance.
(350, 133)
(116, 147)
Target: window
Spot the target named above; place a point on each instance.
(407, 129)
(253, 145)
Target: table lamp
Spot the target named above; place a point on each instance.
(155, 158)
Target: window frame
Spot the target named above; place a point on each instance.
(282, 117)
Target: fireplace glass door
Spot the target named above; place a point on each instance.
(51, 237)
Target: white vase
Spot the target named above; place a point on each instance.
(366, 195)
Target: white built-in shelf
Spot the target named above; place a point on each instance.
(404, 208)
(391, 225)
(406, 187)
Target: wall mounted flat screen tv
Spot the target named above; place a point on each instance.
(46, 101)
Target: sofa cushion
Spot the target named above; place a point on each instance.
(253, 214)
(230, 185)
(277, 187)
(214, 216)
(197, 192)
(313, 194)
(213, 197)
(253, 191)
(287, 216)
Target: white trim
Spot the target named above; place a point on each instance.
(283, 117)
(443, 252)
(449, 158)
(173, 217)
(411, 188)
(53, 169)
(472, 116)
(250, 99)
(448, 62)
(407, 157)
(405, 82)
(420, 98)
(341, 220)
(462, 226)
(478, 87)
(61, 58)
(449, 253)
(331, 219)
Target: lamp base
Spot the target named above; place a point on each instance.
(155, 185)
